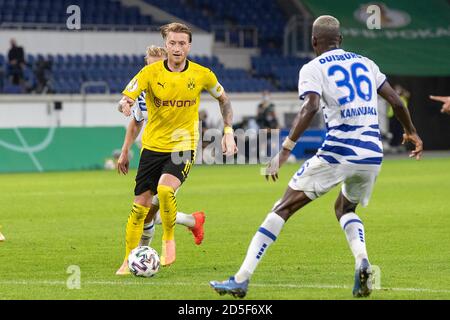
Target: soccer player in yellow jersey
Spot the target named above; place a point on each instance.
(173, 88)
(194, 222)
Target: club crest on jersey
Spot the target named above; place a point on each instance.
(132, 86)
(191, 84)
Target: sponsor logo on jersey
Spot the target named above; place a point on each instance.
(173, 103)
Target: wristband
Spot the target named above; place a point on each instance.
(227, 130)
(288, 144)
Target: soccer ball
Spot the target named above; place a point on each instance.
(143, 261)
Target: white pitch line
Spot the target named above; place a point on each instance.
(170, 283)
(27, 148)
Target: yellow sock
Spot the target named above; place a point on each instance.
(168, 211)
(134, 227)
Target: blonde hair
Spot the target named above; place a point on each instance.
(177, 28)
(325, 25)
(154, 51)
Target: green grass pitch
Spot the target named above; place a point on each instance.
(54, 220)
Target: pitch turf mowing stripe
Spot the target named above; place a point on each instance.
(170, 283)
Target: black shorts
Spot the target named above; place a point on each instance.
(153, 164)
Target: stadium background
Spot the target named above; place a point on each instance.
(251, 47)
(72, 123)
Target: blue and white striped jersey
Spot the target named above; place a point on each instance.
(347, 84)
(139, 109)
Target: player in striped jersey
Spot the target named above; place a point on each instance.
(345, 85)
(194, 222)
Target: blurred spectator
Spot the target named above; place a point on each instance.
(202, 116)
(42, 70)
(266, 120)
(265, 115)
(445, 101)
(16, 63)
(395, 128)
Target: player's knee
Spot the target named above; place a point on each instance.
(143, 199)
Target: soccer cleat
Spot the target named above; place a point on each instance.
(230, 286)
(168, 252)
(123, 270)
(363, 280)
(197, 230)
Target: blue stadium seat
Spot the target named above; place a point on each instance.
(12, 89)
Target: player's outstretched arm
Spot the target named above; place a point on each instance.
(402, 114)
(133, 129)
(301, 123)
(228, 144)
(125, 105)
(445, 101)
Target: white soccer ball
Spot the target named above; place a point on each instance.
(143, 262)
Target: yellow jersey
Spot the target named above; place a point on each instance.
(172, 100)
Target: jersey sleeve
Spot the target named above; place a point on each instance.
(136, 85)
(212, 85)
(380, 78)
(138, 107)
(309, 81)
(137, 113)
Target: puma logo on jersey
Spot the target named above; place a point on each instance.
(162, 85)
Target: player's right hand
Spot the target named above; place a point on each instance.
(123, 163)
(417, 142)
(125, 105)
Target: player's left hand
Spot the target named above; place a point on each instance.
(229, 145)
(417, 142)
(275, 164)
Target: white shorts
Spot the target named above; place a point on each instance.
(315, 178)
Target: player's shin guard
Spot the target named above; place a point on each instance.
(264, 237)
(135, 224)
(168, 213)
(354, 231)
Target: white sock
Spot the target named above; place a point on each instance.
(147, 234)
(157, 218)
(264, 237)
(354, 232)
(182, 218)
(185, 219)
